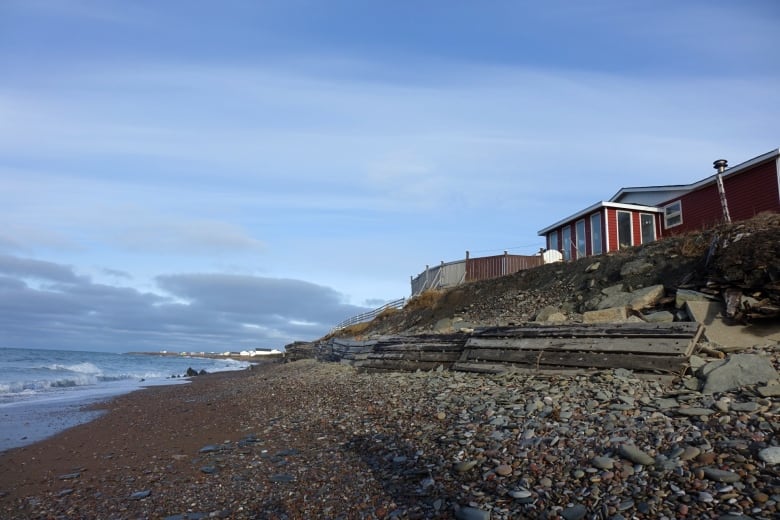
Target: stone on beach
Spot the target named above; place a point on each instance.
(635, 455)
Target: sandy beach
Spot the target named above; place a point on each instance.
(320, 440)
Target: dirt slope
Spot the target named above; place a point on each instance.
(743, 255)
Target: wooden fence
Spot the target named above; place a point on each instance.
(470, 269)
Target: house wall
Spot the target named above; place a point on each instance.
(609, 231)
(611, 220)
(588, 236)
(752, 192)
(747, 193)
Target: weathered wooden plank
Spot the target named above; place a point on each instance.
(695, 339)
(578, 359)
(481, 368)
(416, 356)
(402, 365)
(654, 346)
(417, 347)
(682, 329)
(346, 342)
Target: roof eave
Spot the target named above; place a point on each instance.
(594, 207)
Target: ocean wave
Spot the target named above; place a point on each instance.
(81, 368)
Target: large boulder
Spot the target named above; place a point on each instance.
(611, 315)
(736, 371)
(637, 300)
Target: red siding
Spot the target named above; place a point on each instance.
(613, 239)
(753, 191)
(588, 235)
(747, 193)
(636, 229)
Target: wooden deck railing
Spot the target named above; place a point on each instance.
(370, 315)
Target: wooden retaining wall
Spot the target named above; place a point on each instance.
(636, 346)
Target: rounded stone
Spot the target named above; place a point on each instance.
(770, 455)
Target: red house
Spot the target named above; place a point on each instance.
(635, 216)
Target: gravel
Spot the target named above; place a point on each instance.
(319, 440)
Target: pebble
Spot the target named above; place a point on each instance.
(520, 493)
(720, 475)
(770, 455)
(690, 453)
(695, 412)
(139, 495)
(472, 513)
(575, 512)
(635, 455)
(503, 470)
(464, 466)
(603, 462)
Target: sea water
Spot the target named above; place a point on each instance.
(43, 391)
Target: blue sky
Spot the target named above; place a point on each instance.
(196, 175)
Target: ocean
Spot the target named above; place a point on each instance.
(43, 392)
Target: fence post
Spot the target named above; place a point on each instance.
(466, 274)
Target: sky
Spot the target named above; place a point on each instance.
(195, 175)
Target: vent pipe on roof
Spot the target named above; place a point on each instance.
(720, 165)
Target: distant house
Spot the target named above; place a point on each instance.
(638, 215)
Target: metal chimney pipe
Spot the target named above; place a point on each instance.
(720, 165)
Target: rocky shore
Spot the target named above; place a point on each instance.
(321, 440)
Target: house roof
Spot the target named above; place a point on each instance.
(728, 172)
(684, 188)
(698, 184)
(596, 206)
(648, 189)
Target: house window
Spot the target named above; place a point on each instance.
(673, 214)
(624, 229)
(647, 222)
(581, 251)
(595, 233)
(553, 239)
(566, 243)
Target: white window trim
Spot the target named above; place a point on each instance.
(593, 235)
(631, 227)
(666, 215)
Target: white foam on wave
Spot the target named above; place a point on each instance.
(81, 368)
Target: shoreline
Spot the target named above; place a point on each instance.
(321, 440)
(41, 416)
